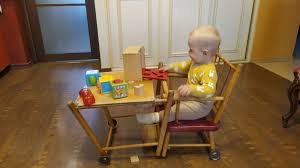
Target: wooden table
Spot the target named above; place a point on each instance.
(104, 101)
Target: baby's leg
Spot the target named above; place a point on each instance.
(189, 110)
(148, 118)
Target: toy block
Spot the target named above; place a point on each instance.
(155, 73)
(91, 77)
(134, 61)
(119, 89)
(139, 89)
(105, 83)
(134, 159)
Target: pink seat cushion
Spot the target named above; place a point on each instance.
(199, 125)
(297, 69)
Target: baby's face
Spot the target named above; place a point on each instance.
(202, 48)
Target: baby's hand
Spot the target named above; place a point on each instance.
(165, 68)
(184, 90)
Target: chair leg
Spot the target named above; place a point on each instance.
(212, 141)
(213, 153)
(166, 144)
(293, 99)
(164, 123)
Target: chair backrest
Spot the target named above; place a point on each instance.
(227, 77)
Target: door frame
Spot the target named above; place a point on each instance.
(36, 41)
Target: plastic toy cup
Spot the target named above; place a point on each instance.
(87, 96)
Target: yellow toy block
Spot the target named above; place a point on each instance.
(105, 83)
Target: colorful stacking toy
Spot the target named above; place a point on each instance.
(91, 77)
(105, 83)
(119, 89)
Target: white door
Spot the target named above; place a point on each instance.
(162, 26)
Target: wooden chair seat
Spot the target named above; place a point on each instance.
(199, 125)
(297, 69)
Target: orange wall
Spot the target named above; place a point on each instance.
(4, 58)
(276, 29)
(12, 30)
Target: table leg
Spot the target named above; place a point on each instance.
(86, 127)
(111, 122)
(109, 136)
(158, 84)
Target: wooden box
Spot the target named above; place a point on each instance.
(134, 61)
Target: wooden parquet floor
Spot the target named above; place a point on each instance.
(37, 130)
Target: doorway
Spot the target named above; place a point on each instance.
(297, 46)
(63, 29)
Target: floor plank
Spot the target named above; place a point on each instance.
(37, 130)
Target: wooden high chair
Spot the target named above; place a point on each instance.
(227, 77)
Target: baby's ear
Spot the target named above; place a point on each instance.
(205, 51)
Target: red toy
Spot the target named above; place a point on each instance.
(155, 73)
(117, 81)
(87, 96)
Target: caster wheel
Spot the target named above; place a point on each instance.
(115, 123)
(214, 155)
(104, 160)
(284, 123)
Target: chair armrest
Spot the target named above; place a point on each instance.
(215, 98)
(167, 85)
(190, 98)
(177, 98)
(177, 75)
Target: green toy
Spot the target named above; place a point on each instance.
(91, 77)
(119, 89)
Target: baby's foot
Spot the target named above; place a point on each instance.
(147, 118)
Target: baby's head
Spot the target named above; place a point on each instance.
(204, 43)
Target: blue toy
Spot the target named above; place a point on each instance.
(91, 77)
(105, 83)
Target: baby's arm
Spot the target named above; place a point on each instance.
(207, 86)
(180, 67)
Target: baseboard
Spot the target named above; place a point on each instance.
(22, 65)
(5, 71)
(271, 60)
(105, 70)
(239, 61)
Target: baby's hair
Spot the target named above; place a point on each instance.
(208, 29)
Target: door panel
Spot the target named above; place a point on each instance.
(163, 27)
(231, 17)
(180, 26)
(64, 29)
(67, 34)
(134, 14)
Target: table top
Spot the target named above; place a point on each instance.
(106, 99)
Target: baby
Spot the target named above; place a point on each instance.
(204, 44)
